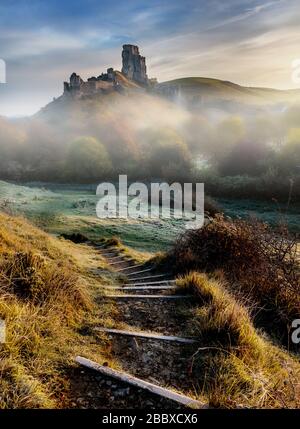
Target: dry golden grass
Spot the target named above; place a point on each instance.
(236, 365)
(46, 296)
(128, 252)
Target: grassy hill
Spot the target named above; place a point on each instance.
(46, 292)
(215, 89)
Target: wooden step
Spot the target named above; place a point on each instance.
(141, 287)
(137, 382)
(149, 277)
(107, 254)
(116, 257)
(105, 248)
(150, 336)
(158, 282)
(123, 261)
(138, 272)
(148, 296)
(131, 267)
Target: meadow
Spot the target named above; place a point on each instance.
(69, 208)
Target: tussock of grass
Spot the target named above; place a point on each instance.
(236, 365)
(160, 259)
(113, 241)
(127, 252)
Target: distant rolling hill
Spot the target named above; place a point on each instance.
(208, 90)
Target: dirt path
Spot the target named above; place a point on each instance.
(147, 308)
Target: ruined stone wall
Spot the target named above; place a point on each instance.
(134, 65)
(78, 87)
(134, 68)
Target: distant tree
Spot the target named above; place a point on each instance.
(229, 133)
(289, 157)
(291, 117)
(87, 159)
(249, 158)
(167, 156)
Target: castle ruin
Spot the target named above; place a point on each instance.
(133, 68)
(134, 65)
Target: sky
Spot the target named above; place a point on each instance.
(249, 42)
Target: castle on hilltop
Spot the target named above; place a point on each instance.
(133, 69)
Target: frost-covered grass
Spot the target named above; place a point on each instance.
(72, 208)
(268, 211)
(66, 209)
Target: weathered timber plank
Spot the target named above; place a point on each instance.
(142, 384)
(147, 335)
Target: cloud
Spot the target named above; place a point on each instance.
(247, 41)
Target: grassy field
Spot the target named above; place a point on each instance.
(267, 211)
(66, 209)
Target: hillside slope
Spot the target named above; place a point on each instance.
(45, 294)
(218, 90)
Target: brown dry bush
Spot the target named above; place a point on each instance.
(235, 365)
(259, 263)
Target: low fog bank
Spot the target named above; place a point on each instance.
(235, 149)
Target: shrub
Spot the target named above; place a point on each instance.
(167, 156)
(259, 263)
(247, 158)
(270, 185)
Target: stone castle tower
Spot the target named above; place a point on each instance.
(134, 68)
(134, 65)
